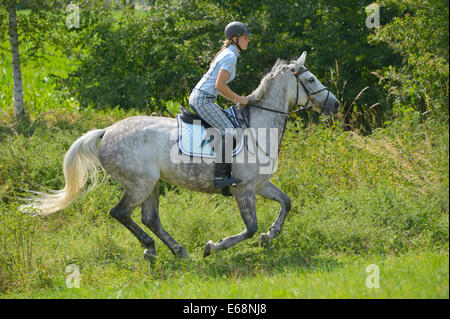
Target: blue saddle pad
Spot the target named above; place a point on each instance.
(193, 139)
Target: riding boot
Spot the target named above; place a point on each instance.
(222, 172)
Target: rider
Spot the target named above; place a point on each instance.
(221, 71)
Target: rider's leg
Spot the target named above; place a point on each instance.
(222, 169)
(210, 112)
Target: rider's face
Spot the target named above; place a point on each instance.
(243, 41)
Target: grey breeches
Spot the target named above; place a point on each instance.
(203, 104)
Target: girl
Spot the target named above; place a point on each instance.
(214, 82)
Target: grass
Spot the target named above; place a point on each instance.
(356, 200)
(408, 276)
(344, 217)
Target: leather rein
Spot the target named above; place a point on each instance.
(309, 95)
(287, 114)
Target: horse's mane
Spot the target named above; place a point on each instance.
(279, 67)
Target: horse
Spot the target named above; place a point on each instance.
(138, 152)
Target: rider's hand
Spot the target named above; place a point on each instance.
(243, 100)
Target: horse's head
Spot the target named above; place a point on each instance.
(310, 92)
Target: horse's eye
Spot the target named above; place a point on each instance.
(311, 80)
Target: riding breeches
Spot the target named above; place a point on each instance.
(203, 104)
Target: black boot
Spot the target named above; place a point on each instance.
(222, 172)
(222, 176)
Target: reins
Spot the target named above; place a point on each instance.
(267, 109)
(307, 92)
(287, 114)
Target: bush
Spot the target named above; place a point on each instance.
(420, 35)
(143, 59)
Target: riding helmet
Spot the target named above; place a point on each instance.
(236, 28)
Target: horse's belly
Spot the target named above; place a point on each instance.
(194, 176)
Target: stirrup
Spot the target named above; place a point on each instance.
(225, 181)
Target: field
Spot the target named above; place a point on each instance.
(357, 201)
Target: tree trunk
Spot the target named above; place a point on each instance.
(15, 59)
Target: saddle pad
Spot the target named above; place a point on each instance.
(191, 138)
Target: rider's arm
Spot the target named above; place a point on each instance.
(224, 89)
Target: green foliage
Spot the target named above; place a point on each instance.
(41, 27)
(420, 35)
(141, 59)
(145, 59)
(40, 77)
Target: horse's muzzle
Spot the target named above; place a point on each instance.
(331, 106)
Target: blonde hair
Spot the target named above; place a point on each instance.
(225, 45)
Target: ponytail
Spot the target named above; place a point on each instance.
(225, 45)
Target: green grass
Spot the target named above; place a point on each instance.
(406, 276)
(339, 223)
(356, 200)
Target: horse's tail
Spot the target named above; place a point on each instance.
(80, 162)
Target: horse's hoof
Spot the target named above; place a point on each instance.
(181, 252)
(184, 254)
(208, 248)
(264, 240)
(150, 255)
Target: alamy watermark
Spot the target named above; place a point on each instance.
(73, 277)
(373, 17)
(73, 19)
(373, 278)
(257, 146)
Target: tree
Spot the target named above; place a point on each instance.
(41, 24)
(10, 6)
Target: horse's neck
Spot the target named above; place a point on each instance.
(275, 100)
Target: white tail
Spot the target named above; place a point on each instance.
(80, 162)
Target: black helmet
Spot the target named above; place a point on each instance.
(236, 28)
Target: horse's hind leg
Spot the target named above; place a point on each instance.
(150, 218)
(122, 212)
(272, 192)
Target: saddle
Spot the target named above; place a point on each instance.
(193, 138)
(189, 117)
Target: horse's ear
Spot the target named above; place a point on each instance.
(301, 59)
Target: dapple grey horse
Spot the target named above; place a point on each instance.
(139, 151)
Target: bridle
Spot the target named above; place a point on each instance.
(301, 108)
(307, 92)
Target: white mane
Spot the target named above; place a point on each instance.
(279, 67)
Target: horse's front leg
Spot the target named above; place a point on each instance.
(246, 202)
(272, 192)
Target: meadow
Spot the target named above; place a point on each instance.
(357, 200)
